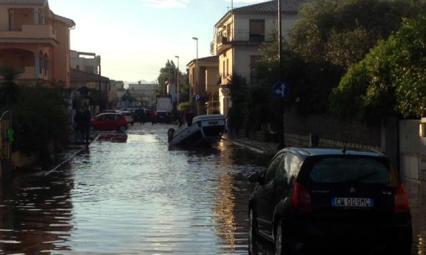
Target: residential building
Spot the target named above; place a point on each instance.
(144, 93)
(116, 92)
(35, 41)
(239, 35)
(204, 81)
(86, 61)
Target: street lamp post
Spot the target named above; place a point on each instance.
(280, 59)
(196, 69)
(177, 81)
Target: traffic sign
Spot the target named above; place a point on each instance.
(281, 89)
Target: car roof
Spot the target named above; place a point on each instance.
(108, 113)
(311, 152)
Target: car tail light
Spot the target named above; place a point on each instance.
(301, 198)
(401, 200)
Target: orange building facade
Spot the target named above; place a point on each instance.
(36, 42)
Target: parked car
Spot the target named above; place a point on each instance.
(129, 116)
(317, 200)
(110, 122)
(163, 117)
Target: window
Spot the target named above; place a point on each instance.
(281, 175)
(228, 32)
(350, 170)
(272, 169)
(257, 31)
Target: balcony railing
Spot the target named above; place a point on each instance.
(30, 32)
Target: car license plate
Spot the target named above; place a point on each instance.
(352, 202)
(213, 122)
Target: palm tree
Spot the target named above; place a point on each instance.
(8, 87)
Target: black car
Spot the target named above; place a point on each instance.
(324, 201)
(163, 117)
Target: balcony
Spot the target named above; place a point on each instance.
(242, 37)
(30, 34)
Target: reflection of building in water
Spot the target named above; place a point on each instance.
(35, 214)
(224, 211)
(232, 196)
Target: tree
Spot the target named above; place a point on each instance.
(342, 32)
(184, 87)
(310, 82)
(167, 75)
(391, 79)
(8, 88)
(40, 121)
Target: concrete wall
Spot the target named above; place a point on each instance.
(333, 129)
(61, 54)
(243, 56)
(242, 25)
(212, 74)
(226, 65)
(413, 151)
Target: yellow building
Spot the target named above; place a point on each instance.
(239, 36)
(204, 81)
(35, 41)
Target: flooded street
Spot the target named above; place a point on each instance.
(132, 198)
(137, 197)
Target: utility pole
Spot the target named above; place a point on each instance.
(177, 80)
(280, 59)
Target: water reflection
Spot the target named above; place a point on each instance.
(417, 197)
(35, 214)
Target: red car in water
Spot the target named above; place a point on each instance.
(110, 122)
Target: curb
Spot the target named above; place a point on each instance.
(70, 158)
(247, 146)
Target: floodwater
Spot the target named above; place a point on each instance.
(131, 195)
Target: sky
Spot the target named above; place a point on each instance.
(135, 38)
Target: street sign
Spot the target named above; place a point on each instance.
(281, 89)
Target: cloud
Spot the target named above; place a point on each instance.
(166, 3)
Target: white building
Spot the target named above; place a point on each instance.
(85, 62)
(145, 93)
(239, 35)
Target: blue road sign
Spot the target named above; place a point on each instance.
(281, 89)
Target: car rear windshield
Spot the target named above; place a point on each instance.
(356, 170)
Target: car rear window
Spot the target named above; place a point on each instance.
(351, 170)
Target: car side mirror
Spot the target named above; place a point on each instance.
(256, 178)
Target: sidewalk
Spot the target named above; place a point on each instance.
(265, 148)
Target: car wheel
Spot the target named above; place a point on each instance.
(252, 233)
